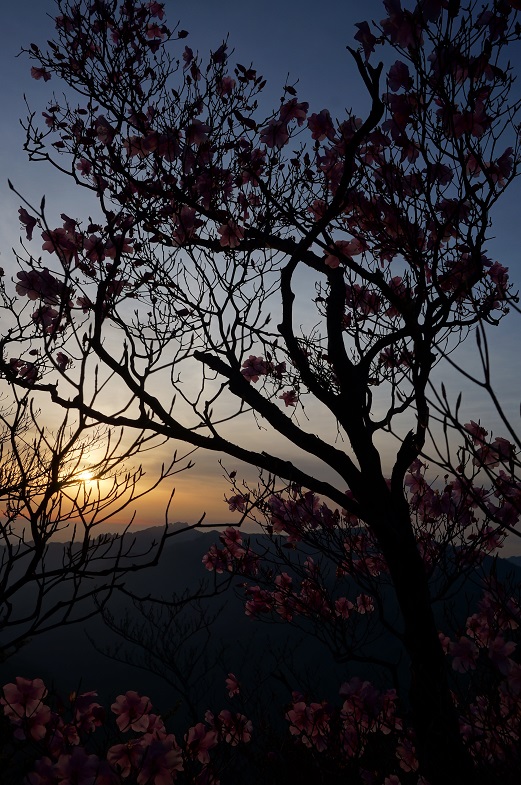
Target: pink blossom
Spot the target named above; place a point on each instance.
(63, 23)
(134, 147)
(89, 714)
(474, 122)
(514, 678)
(260, 601)
(231, 235)
(317, 209)
(78, 768)
(234, 728)
(343, 607)
(94, 248)
(62, 361)
(188, 56)
(167, 145)
(499, 652)
(199, 741)
(402, 107)
(284, 581)
(22, 702)
(445, 642)
(156, 9)
(197, 133)
(500, 450)
(399, 77)
(406, 754)
(275, 134)
(473, 166)
(476, 431)
(48, 318)
(502, 168)
(237, 502)
(499, 275)
(156, 727)
(232, 685)
(132, 710)
(125, 757)
(162, 760)
(40, 73)
(249, 563)
(300, 717)
(312, 721)
(28, 221)
(50, 120)
(293, 110)
(285, 601)
(253, 368)
(290, 398)
(488, 538)
(85, 304)
(155, 31)
(84, 167)
(118, 245)
(220, 56)
(391, 357)
(61, 242)
(366, 38)
(225, 85)
(344, 248)
(321, 126)
(464, 655)
(104, 130)
(232, 546)
(364, 604)
(43, 773)
(231, 537)
(216, 560)
(187, 223)
(362, 299)
(401, 26)
(24, 369)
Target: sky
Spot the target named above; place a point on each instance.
(298, 39)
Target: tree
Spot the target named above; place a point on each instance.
(209, 214)
(60, 484)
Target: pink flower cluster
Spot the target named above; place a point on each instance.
(292, 516)
(461, 501)
(255, 367)
(287, 598)
(277, 134)
(152, 756)
(343, 248)
(353, 730)
(486, 641)
(233, 556)
(309, 599)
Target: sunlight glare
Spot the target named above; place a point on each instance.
(85, 476)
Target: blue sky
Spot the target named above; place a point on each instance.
(304, 39)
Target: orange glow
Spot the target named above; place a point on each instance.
(85, 476)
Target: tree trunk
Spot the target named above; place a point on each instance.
(439, 746)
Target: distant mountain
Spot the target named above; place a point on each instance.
(68, 659)
(253, 650)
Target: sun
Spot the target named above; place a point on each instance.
(85, 476)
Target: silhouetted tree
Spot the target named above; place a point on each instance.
(217, 226)
(57, 489)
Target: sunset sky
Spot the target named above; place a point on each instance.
(303, 39)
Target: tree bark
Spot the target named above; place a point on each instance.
(439, 745)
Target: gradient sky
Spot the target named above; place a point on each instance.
(303, 39)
